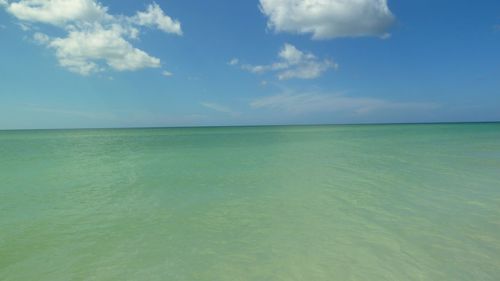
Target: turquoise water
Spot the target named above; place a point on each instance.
(378, 202)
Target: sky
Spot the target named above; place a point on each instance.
(115, 63)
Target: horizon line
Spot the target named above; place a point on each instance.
(261, 125)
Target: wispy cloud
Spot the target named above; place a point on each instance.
(41, 38)
(93, 115)
(115, 117)
(233, 61)
(24, 26)
(220, 108)
(167, 73)
(305, 103)
(292, 63)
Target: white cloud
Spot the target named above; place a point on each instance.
(292, 55)
(3, 3)
(294, 63)
(233, 61)
(313, 103)
(95, 40)
(41, 38)
(326, 19)
(58, 12)
(24, 26)
(167, 73)
(154, 17)
(220, 108)
(81, 51)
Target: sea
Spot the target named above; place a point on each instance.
(312, 203)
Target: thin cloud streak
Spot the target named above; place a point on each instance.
(94, 115)
(220, 108)
(307, 103)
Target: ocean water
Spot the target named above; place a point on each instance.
(374, 202)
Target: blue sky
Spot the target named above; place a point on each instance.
(89, 63)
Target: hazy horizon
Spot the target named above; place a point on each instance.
(258, 125)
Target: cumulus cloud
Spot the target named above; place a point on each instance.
(304, 103)
(95, 40)
(293, 63)
(3, 3)
(82, 48)
(58, 12)
(155, 17)
(326, 19)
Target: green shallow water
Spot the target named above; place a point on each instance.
(380, 202)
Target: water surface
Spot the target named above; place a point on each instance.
(378, 202)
